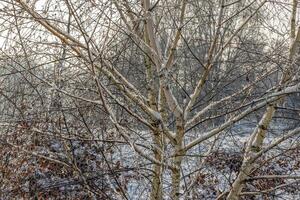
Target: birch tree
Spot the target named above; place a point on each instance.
(157, 84)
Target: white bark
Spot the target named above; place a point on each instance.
(255, 143)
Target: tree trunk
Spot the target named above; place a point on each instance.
(156, 187)
(176, 171)
(175, 193)
(255, 143)
(253, 146)
(176, 180)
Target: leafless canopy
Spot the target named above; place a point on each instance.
(149, 99)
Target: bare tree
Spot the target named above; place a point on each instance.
(126, 94)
